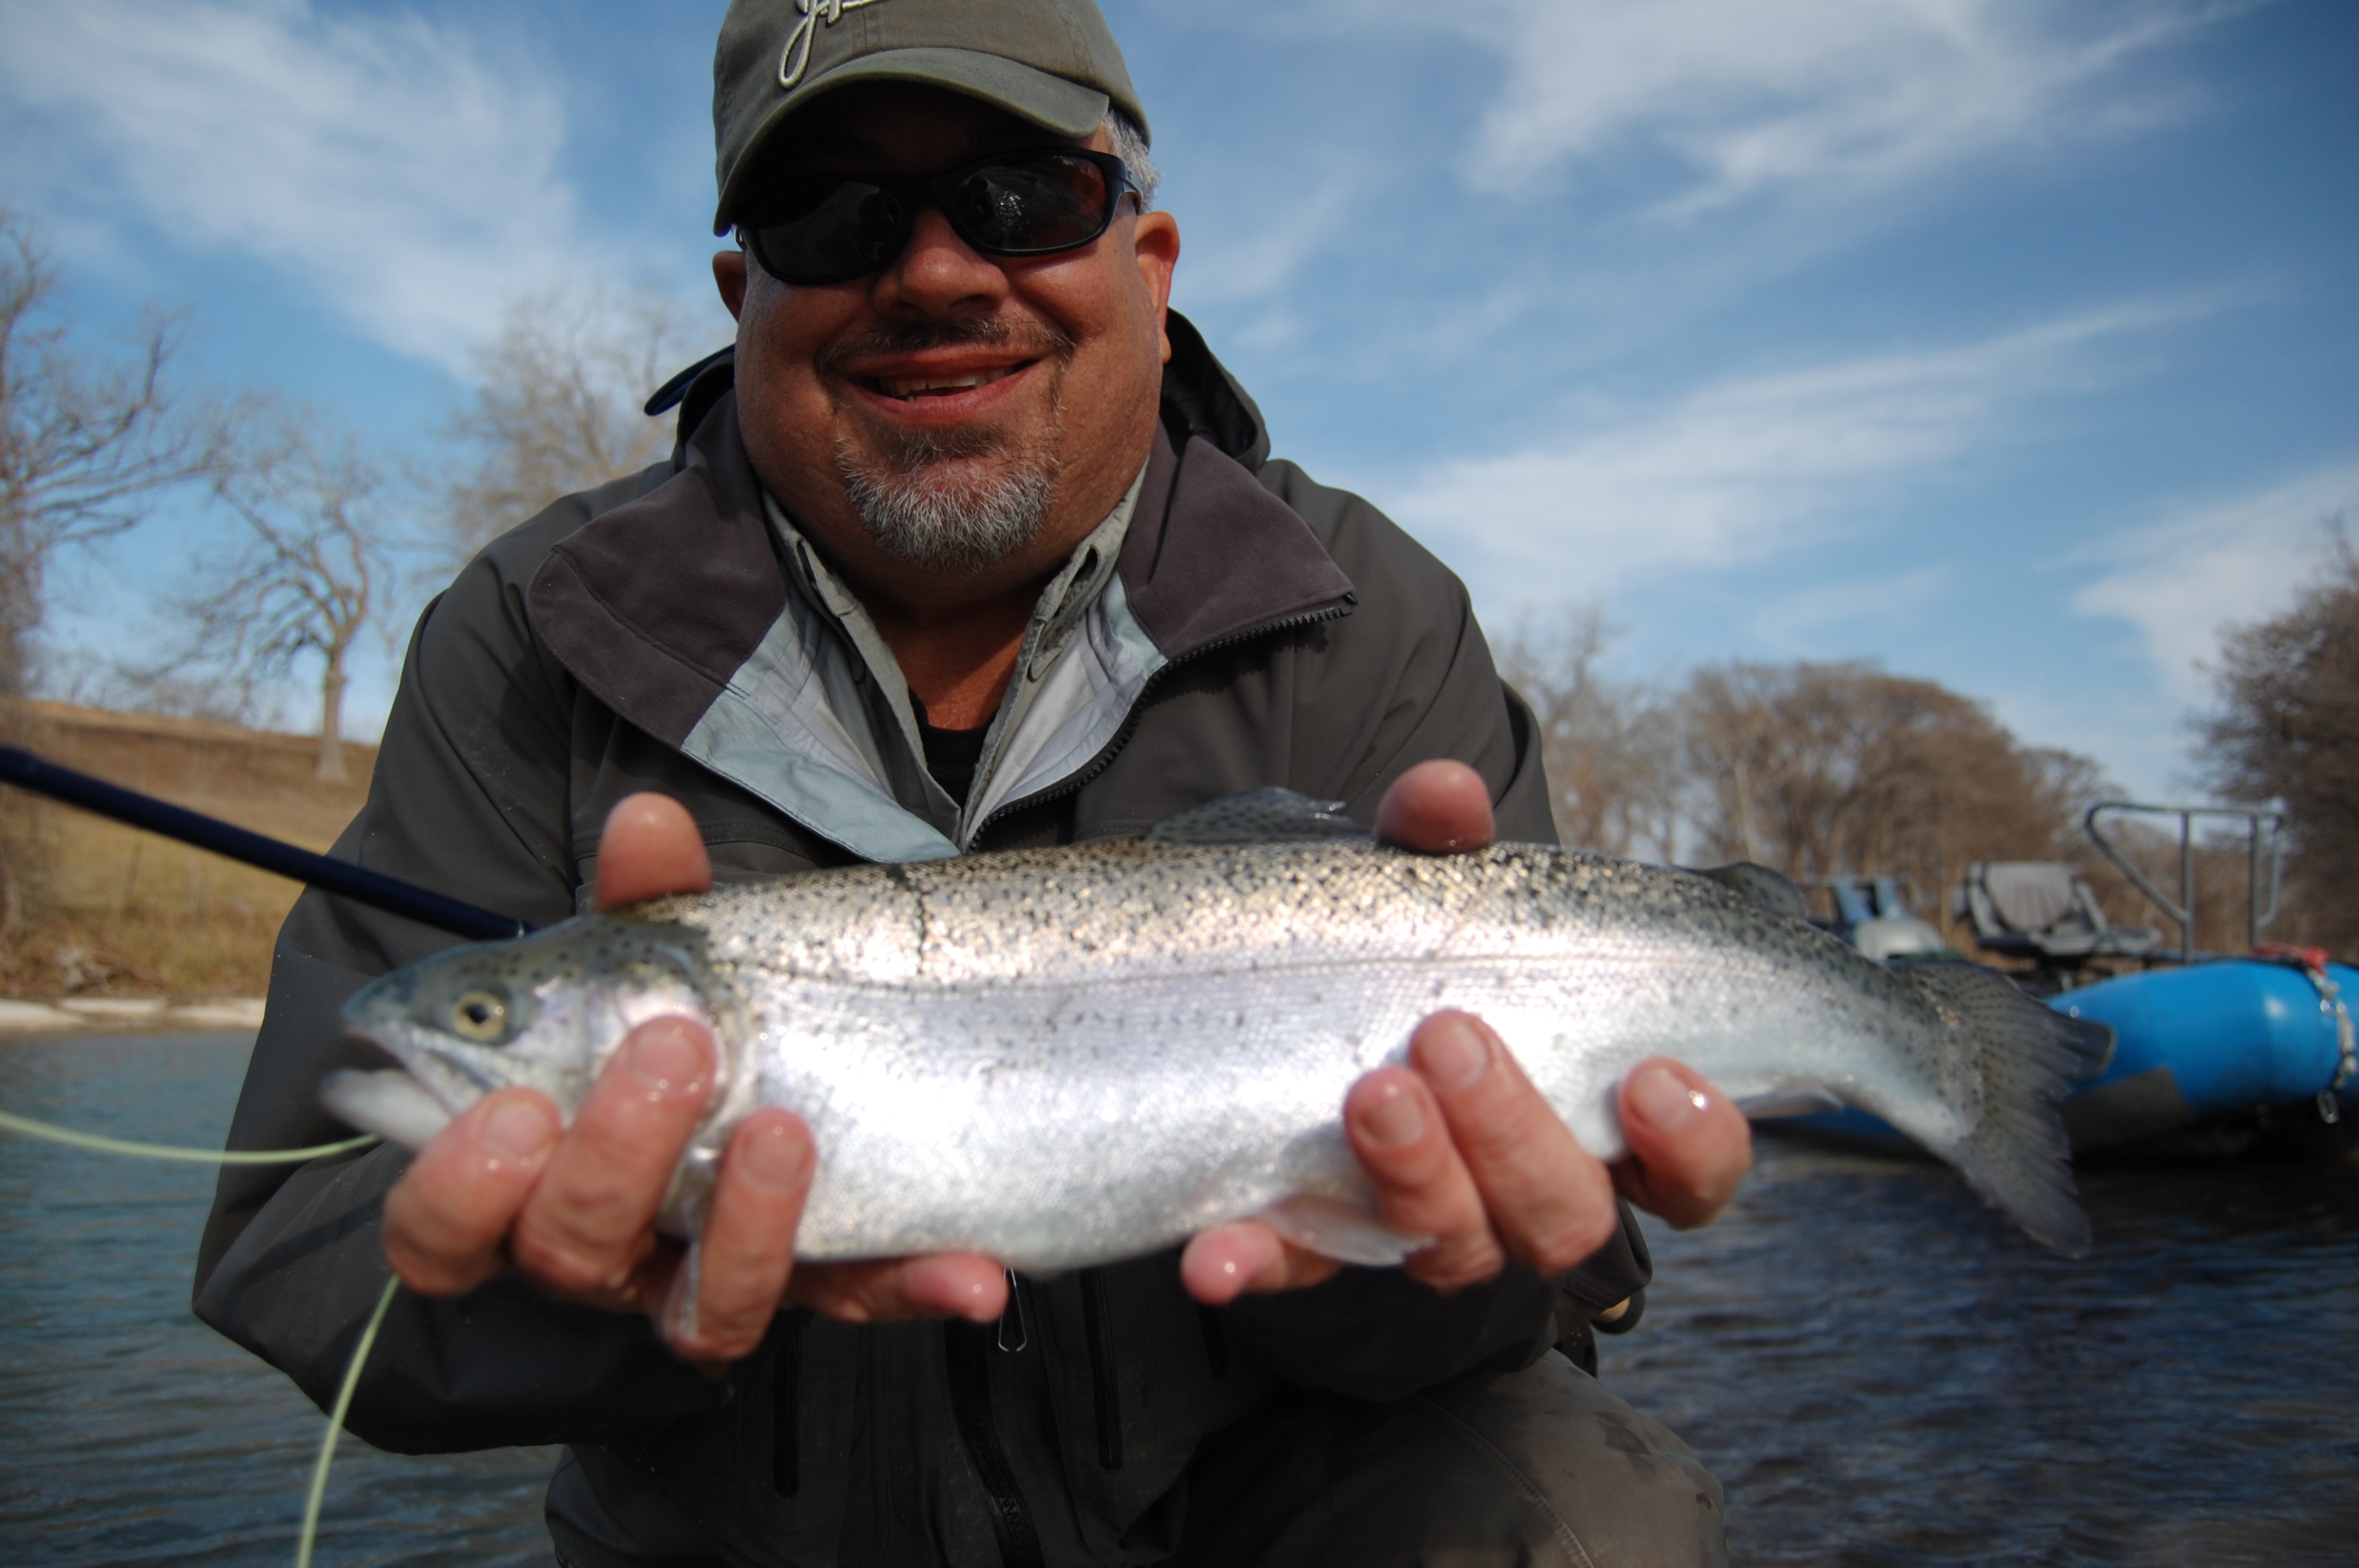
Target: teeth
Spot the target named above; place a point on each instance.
(919, 386)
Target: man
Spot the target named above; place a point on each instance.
(970, 545)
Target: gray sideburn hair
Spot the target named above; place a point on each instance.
(1130, 146)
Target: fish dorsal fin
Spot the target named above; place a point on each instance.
(1258, 816)
(1773, 891)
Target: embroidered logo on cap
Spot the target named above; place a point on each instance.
(797, 55)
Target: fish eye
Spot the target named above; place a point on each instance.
(481, 1014)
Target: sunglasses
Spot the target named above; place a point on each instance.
(832, 228)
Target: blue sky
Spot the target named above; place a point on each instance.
(2015, 346)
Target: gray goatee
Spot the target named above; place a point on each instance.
(921, 509)
(953, 500)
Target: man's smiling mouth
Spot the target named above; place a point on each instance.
(909, 388)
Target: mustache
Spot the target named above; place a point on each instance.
(1032, 339)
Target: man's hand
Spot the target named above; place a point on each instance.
(1462, 1148)
(573, 1208)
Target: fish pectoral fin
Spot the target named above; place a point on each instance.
(1778, 1103)
(1258, 816)
(391, 1104)
(1343, 1231)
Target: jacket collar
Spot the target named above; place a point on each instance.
(656, 604)
(672, 610)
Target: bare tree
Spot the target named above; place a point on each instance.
(1822, 770)
(83, 441)
(557, 404)
(2289, 726)
(1610, 750)
(316, 568)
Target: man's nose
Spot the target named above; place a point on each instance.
(938, 271)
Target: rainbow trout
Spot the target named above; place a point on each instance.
(1062, 1057)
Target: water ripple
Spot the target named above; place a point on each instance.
(1880, 1371)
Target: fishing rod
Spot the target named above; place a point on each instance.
(342, 877)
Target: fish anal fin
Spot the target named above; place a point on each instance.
(1778, 1103)
(1258, 816)
(679, 1311)
(1343, 1231)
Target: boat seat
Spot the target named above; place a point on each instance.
(2040, 910)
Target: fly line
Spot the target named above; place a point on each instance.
(50, 1132)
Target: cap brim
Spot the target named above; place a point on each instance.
(1065, 108)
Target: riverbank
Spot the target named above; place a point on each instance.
(106, 913)
(122, 1015)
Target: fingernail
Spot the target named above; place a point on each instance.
(1395, 1120)
(774, 1159)
(1663, 1099)
(1452, 1053)
(517, 1130)
(669, 1059)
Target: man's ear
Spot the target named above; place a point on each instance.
(1154, 246)
(729, 277)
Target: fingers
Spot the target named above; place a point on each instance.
(940, 1284)
(748, 1248)
(1423, 1187)
(1438, 808)
(588, 1224)
(446, 1221)
(1690, 1147)
(1502, 1161)
(1246, 1257)
(650, 847)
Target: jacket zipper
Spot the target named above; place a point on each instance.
(1097, 1315)
(967, 1343)
(786, 1397)
(1073, 782)
(968, 1348)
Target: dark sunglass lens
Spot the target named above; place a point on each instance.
(1049, 204)
(832, 231)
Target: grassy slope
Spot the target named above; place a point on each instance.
(151, 917)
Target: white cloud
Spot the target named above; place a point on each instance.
(374, 161)
(1794, 623)
(2179, 581)
(1742, 471)
(1748, 95)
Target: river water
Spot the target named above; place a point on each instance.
(1878, 1370)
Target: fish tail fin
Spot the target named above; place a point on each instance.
(2024, 1058)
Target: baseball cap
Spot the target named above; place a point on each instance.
(1053, 62)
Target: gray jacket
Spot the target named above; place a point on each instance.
(1260, 629)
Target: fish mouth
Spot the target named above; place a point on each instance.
(455, 1072)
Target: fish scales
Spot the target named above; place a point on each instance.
(1064, 1056)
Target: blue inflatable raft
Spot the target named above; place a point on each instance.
(2212, 1040)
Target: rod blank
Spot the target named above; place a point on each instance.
(26, 770)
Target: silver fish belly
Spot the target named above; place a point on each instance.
(1065, 1057)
